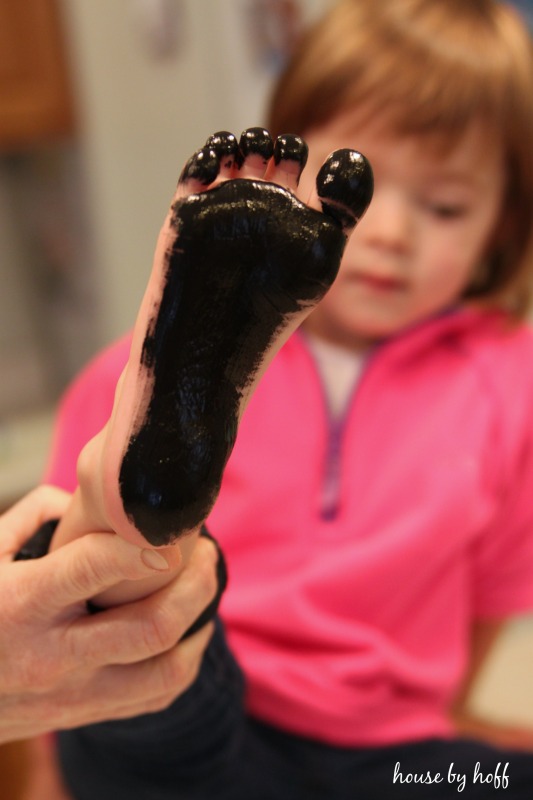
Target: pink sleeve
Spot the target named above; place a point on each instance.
(83, 411)
(503, 557)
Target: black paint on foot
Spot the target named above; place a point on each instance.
(225, 145)
(247, 256)
(344, 185)
(255, 141)
(203, 166)
(289, 147)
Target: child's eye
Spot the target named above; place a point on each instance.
(447, 210)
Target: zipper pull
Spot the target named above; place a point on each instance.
(331, 481)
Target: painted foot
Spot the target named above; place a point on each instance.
(239, 264)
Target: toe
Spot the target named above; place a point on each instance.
(226, 147)
(255, 151)
(290, 157)
(344, 187)
(199, 172)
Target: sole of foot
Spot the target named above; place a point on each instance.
(239, 263)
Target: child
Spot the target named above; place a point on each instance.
(375, 512)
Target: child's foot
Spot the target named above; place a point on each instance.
(239, 264)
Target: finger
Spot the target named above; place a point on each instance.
(170, 674)
(123, 691)
(88, 566)
(22, 520)
(140, 630)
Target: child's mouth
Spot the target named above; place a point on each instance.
(379, 283)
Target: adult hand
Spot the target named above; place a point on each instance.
(61, 667)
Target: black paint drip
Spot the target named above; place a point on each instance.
(247, 256)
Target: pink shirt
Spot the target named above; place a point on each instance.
(361, 551)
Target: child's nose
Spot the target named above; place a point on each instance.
(387, 224)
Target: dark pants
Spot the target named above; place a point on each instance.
(204, 747)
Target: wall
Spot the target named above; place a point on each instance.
(143, 113)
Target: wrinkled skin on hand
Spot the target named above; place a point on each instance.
(61, 667)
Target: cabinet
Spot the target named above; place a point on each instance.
(35, 97)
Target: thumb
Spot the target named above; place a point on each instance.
(89, 565)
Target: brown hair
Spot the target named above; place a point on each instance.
(434, 66)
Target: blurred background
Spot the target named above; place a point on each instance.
(101, 102)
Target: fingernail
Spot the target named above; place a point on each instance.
(154, 560)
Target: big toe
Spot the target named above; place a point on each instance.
(344, 186)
